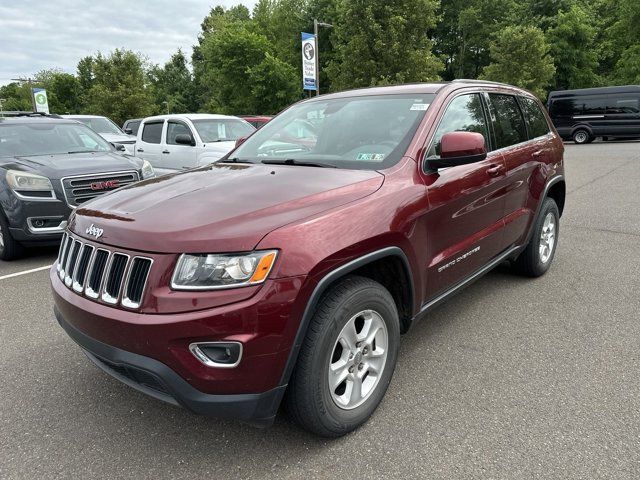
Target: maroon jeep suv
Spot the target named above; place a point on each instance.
(287, 271)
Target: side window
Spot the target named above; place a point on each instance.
(509, 124)
(152, 132)
(564, 108)
(536, 121)
(174, 129)
(464, 114)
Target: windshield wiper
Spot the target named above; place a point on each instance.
(235, 160)
(81, 151)
(299, 163)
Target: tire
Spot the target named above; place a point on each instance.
(354, 306)
(535, 260)
(581, 137)
(10, 249)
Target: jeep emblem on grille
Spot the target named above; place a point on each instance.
(94, 231)
(105, 185)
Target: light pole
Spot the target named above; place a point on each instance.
(317, 24)
(167, 104)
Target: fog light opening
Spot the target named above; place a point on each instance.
(217, 354)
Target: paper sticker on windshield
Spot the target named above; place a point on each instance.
(419, 106)
(371, 157)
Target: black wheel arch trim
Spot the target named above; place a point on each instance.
(545, 194)
(326, 282)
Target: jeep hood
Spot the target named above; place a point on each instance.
(220, 207)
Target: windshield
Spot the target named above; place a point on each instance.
(49, 139)
(367, 132)
(100, 125)
(222, 130)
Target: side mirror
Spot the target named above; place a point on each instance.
(128, 131)
(119, 147)
(459, 148)
(185, 139)
(240, 141)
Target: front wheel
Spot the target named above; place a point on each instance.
(536, 258)
(347, 359)
(581, 137)
(10, 249)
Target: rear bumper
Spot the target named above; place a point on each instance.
(156, 379)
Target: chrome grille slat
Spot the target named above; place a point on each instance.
(80, 273)
(114, 278)
(71, 262)
(136, 282)
(103, 275)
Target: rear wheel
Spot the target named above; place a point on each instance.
(581, 137)
(536, 258)
(10, 249)
(347, 359)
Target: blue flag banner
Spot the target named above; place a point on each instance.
(309, 52)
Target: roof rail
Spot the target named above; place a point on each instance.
(475, 80)
(20, 113)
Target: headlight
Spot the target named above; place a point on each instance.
(18, 180)
(147, 170)
(214, 271)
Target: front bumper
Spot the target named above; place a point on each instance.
(22, 221)
(150, 352)
(154, 378)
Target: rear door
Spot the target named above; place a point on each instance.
(464, 223)
(175, 156)
(521, 157)
(149, 141)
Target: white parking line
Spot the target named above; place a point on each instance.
(17, 274)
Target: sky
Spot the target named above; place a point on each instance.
(38, 35)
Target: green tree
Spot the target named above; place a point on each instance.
(464, 31)
(274, 85)
(16, 97)
(379, 42)
(572, 47)
(63, 91)
(628, 66)
(214, 23)
(118, 87)
(520, 56)
(173, 83)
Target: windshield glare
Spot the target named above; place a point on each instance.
(100, 125)
(367, 132)
(49, 139)
(222, 130)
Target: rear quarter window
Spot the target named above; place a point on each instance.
(537, 125)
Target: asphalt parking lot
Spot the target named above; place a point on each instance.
(512, 378)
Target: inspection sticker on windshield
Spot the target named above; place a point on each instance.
(371, 157)
(419, 106)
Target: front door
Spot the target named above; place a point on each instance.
(177, 156)
(466, 203)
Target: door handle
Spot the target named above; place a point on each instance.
(166, 151)
(495, 170)
(140, 150)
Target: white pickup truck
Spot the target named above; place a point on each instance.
(177, 142)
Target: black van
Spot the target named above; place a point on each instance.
(608, 112)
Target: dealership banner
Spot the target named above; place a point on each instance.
(40, 100)
(309, 52)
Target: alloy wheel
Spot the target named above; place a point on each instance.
(547, 237)
(358, 359)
